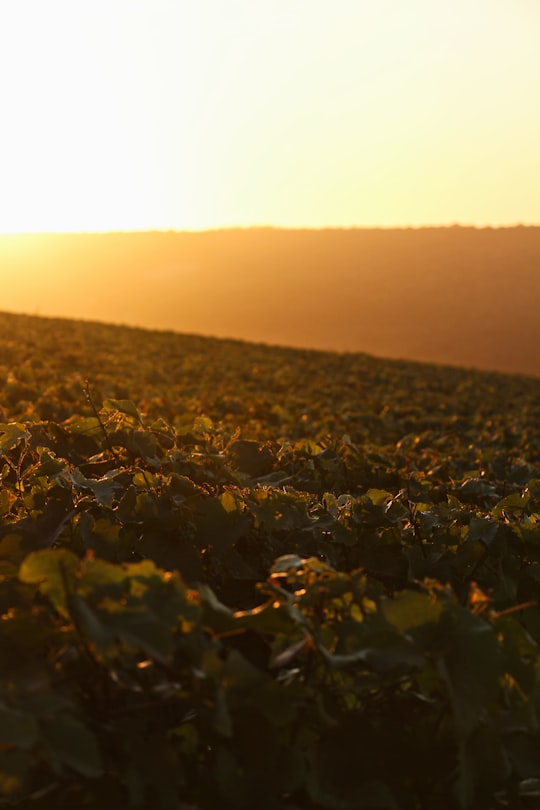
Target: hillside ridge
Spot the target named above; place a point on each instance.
(23, 319)
(461, 296)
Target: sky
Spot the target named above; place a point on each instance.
(195, 114)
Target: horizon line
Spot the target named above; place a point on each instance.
(221, 228)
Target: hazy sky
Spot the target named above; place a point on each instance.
(142, 114)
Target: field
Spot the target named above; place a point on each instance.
(456, 295)
(236, 576)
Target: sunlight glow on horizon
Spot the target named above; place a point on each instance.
(167, 115)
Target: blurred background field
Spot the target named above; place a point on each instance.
(462, 296)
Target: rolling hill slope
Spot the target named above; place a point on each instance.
(464, 296)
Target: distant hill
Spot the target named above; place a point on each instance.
(463, 296)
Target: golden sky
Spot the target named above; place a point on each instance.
(191, 114)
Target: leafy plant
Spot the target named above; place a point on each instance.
(228, 590)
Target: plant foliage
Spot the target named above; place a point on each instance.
(237, 576)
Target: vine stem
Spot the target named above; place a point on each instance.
(88, 395)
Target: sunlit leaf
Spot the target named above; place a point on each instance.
(11, 435)
(411, 609)
(54, 573)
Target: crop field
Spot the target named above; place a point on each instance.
(238, 576)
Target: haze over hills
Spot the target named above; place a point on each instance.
(457, 295)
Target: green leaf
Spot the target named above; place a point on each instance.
(484, 767)
(17, 728)
(471, 667)
(104, 489)
(250, 457)
(516, 503)
(473, 488)
(409, 610)
(523, 750)
(203, 425)
(287, 564)
(84, 426)
(136, 604)
(13, 550)
(54, 572)
(125, 406)
(217, 526)
(96, 631)
(378, 497)
(389, 656)
(222, 721)
(10, 436)
(144, 445)
(15, 767)
(483, 529)
(216, 615)
(273, 617)
(72, 744)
